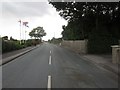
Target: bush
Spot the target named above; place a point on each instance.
(10, 46)
(100, 42)
(56, 40)
(29, 42)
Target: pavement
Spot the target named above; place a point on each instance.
(51, 66)
(102, 60)
(9, 56)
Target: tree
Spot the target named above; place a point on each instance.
(5, 38)
(73, 31)
(94, 21)
(12, 39)
(92, 15)
(37, 33)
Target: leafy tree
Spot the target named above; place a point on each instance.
(91, 14)
(94, 21)
(73, 31)
(5, 38)
(37, 33)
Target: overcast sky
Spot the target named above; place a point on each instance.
(36, 13)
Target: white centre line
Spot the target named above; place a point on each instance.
(49, 83)
(50, 60)
(50, 52)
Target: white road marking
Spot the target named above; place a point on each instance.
(50, 52)
(50, 60)
(49, 83)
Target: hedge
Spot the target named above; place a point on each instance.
(100, 42)
(10, 46)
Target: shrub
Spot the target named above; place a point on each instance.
(10, 46)
(100, 41)
(29, 42)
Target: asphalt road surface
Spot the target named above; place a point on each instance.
(51, 66)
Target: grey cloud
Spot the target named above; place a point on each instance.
(25, 9)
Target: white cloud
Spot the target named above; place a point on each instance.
(23, 0)
(36, 13)
(24, 9)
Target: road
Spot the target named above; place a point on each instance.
(51, 66)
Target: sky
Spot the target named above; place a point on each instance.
(35, 13)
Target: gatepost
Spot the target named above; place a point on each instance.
(116, 54)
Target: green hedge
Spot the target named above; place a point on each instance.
(100, 42)
(10, 46)
(29, 42)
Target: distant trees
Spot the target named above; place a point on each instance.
(55, 40)
(37, 33)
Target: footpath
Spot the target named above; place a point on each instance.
(7, 57)
(104, 61)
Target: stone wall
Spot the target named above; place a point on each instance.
(79, 46)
